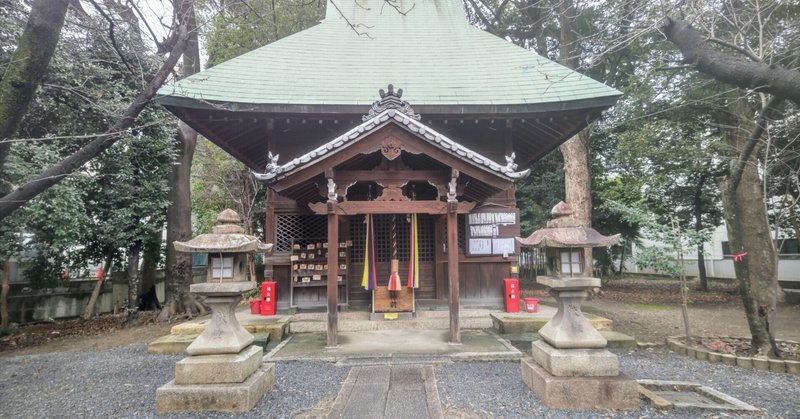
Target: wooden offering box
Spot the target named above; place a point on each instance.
(382, 302)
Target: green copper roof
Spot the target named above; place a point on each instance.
(432, 53)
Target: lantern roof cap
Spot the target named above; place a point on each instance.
(564, 230)
(227, 236)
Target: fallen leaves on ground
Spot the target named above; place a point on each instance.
(741, 347)
(37, 334)
(642, 290)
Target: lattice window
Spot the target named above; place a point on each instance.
(383, 242)
(296, 226)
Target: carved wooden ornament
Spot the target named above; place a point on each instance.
(391, 148)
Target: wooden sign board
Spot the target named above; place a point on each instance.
(491, 231)
(382, 301)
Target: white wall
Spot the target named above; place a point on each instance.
(718, 266)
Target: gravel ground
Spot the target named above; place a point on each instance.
(497, 390)
(122, 383)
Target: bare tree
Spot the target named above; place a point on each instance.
(176, 44)
(178, 269)
(747, 47)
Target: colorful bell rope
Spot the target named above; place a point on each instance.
(369, 277)
(394, 277)
(413, 257)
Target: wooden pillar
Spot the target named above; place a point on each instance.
(333, 272)
(452, 270)
(270, 228)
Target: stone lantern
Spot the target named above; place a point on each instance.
(570, 367)
(224, 370)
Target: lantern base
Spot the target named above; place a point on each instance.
(223, 334)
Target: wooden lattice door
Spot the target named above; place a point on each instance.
(383, 253)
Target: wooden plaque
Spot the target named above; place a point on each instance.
(381, 303)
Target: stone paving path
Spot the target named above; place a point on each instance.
(388, 391)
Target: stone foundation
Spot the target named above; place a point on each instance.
(581, 393)
(574, 362)
(230, 397)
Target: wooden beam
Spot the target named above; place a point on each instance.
(452, 271)
(347, 176)
(391, 207)
(333, 272)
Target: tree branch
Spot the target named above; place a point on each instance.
(774, 80)
(59, 171)
(745, 52)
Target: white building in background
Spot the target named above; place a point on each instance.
(719, 261)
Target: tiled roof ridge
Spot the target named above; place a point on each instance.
(418, 128)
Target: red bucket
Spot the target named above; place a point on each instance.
(255, 307)
(531, 305)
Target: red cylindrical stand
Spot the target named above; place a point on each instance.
(268, 294)
(512, 295)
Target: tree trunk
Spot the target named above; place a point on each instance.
(88, 312)
(134, 252)
(577, 179)
(794, 220)
(698, 226)
(28, 66)
(152, 253)
(59, 171)
(178, 271)
(748, 232)
(577, 185)
(6, 287)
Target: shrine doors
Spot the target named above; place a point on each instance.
(383, 252)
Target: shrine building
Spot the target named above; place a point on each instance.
(390, 152)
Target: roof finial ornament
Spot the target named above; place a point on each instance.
(510, 165)
(391, 92)
(390, 99)
(273, 162)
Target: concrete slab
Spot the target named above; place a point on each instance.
(171, 344)
(276, 326)
(393, 392)
(177, 344)
(406, 404)
(506, 323)
(618, 340)
(359, 321)
(669, 395)
(238, 397)
(475, 344)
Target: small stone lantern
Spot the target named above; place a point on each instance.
(227, 247)
(570, 367)
(224, 370)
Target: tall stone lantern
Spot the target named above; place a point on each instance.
(570, 367)
(224, 370)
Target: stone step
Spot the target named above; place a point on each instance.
(618, 340)
(177, 344)
(512, 323)
(277, 327)
(419, 323)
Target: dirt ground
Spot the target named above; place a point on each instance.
(647, 309)
(103, 332)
